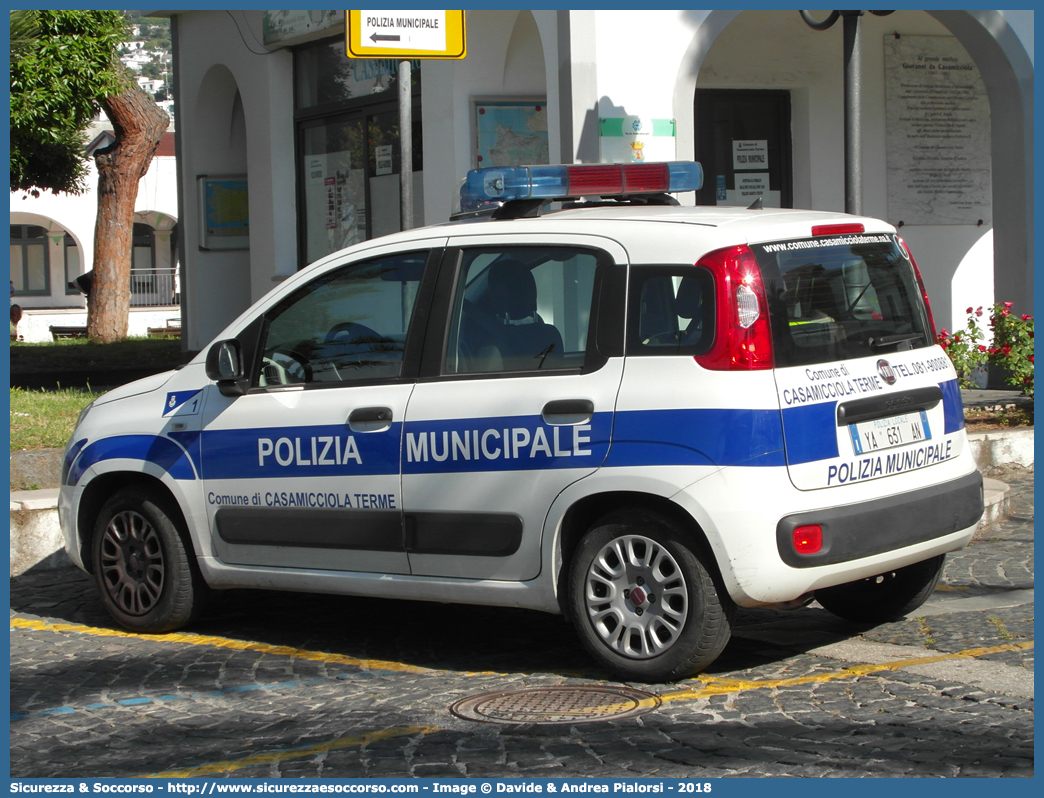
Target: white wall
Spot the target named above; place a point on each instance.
(506, 57)
(213, 62)
(585, 63)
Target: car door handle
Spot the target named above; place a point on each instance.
(568, 411)
(370, 419)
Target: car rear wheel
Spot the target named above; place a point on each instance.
(148, 579)
(886, 596)
(643, 603)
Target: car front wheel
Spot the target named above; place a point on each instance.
(147, 577)
(643, 603)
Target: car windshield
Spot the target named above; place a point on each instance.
(842, 297)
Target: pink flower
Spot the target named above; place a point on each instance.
(943, 333)
(969, 310)
(1009, 304)
(978, 311)
(1026, 317)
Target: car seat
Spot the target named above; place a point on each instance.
(525, 341)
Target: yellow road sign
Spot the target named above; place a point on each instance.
(405, 34)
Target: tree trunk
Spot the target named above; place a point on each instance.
(138, 124)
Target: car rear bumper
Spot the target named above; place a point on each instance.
(871, 527)
(862, 530)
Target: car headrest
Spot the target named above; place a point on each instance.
(512, 290)
(690, 297)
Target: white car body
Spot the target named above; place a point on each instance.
(733, 453)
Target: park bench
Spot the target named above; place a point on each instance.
(67, 332)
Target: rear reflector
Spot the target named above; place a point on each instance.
(808, 539)
(837, 229)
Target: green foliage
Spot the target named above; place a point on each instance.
(58, 81)
(81, 354)
(1011, 347)
(965, 348)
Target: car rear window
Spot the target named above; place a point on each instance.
(671, 310)
(841, 297)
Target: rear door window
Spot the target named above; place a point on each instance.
(671, 310)
(842, 297)
(522, 309)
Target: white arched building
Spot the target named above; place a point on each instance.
(273, 116)
(52, 243)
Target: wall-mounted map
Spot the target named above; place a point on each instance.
(510, 132)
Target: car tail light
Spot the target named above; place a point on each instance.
(920, 285)
(742, 339)
(808, 539)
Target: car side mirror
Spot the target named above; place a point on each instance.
(225, 366)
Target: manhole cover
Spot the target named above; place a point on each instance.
(581, 704)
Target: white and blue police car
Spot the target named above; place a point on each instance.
(634, 413)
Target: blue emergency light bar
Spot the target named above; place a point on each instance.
(503, 184)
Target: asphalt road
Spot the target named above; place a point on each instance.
(288, 685)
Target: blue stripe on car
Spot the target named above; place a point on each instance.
(953, 409)
(692, 437)
(147, 448)
(715, 437)
(811, 432)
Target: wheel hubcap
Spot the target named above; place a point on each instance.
(636, 597)
(132, 567)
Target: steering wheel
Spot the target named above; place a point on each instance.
(351, 332)
(284, 366)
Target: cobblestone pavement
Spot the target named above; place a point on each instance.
(292, 685)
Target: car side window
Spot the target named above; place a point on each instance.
(349, 324)
(671, 310)
(521, 309)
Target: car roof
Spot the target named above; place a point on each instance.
(722, 225)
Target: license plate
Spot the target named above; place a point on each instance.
(886, 433)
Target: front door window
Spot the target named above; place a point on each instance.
(348, 325)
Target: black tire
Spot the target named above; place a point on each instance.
(885, 597)
(145, 571)
(660, 638)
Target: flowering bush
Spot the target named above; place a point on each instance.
(1011, 348)
(964, 348)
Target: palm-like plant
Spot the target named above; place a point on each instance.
(25, 29)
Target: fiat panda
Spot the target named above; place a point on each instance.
(578, 397)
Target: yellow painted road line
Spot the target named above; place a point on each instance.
(709, 685)
(275, 757)
(222, 642)
(712, 686)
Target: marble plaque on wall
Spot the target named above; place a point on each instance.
(937, 133)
